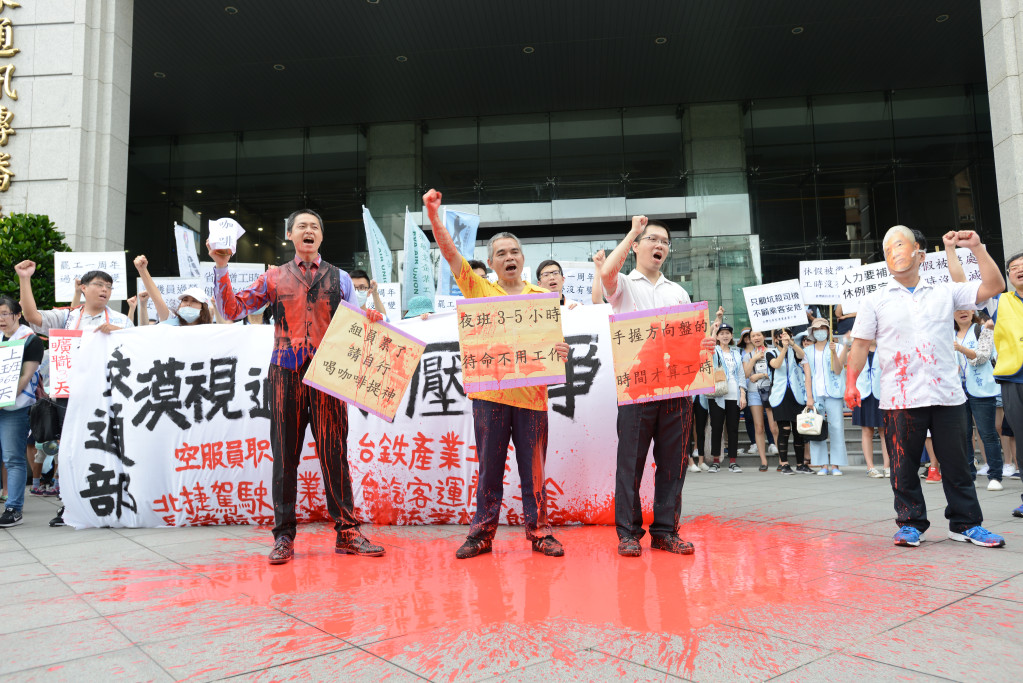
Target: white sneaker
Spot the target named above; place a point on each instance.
(873, 473)
(1008, 469)
(704, 467)
(694, 468)
(752, 450)
(995, 485)
(772, 449)
(983, 470)
(888, 473)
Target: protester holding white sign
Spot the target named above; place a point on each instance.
(775, 305)
(192, 305)
(21, 352)
(170, 288)
(225, 233)
(819, 281)
(96, 288)
(69, 266)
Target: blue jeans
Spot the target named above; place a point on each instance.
(495, 424)
(982, 411)
(13, 440)
(831, 409)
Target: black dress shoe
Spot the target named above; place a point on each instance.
(629, 547)
(549, 546)
(284, 550)
(359, 545)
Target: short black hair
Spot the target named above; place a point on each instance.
(653, 222)
(1014, 257)
(359, 273)
(11, 304)
(96, 275)
(474, 264)
(921, 239)
(291, 219)
(548, 262)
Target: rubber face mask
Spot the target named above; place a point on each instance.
(820, 335)
(361, 297)
(188, 314)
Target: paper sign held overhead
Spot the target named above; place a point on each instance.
(366, 364)
(225, 233)
(68, 265)
(508, 341)
(820, 282)
(657, 353)
(775, 305)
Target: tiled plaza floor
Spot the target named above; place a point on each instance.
(794, 579)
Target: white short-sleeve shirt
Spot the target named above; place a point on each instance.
(76, 319)
(636, 293)
(917, 360)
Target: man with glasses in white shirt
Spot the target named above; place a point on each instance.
(920, 388)
(667, 422)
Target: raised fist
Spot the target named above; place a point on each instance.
(432, 201)
(599, 257)
(968, 239)
(639, 223)
(25, 269)
(950, 239)
(141, 262)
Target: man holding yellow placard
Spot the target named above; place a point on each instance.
(518, 414)
(667, 422)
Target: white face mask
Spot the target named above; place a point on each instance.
(361, 296)
(820, 335)
(188, 314)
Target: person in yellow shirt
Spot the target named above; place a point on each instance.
(518, 414)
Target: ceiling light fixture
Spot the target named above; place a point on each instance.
(231, 10)
(284, 244)
(797, 30)
(373, 2)
(256, 244)
(260, 228)
(401, 58)
(159, 74)
(198, 191)
(941, 18)
(232, 212)
(529, 49)
(198, 213)
(660, 40)
(278, 67)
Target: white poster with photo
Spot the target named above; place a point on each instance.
(820, 282)
(69, 265)
(774, 305)
(170, 427)
(170, 288)
(390, 296)
(242, 275)
(934, 269)
(578, 281)
(860, 282)
(185, 239)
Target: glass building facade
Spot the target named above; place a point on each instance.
(749, 188)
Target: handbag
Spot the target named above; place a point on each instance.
(44, 421)
(720, 379)
(811, 425)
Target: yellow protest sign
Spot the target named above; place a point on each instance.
(508, 341)
(657, 353)
(366, 364)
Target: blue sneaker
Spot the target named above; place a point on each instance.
(1018, 512)
(978, 535)
(907, 535)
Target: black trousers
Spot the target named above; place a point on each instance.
(727, 417)
(784, 429)
(668, 424)
(700, 415)
(293, 407)
(1012, 404)
(904, 434)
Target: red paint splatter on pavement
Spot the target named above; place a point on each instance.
(447, 619)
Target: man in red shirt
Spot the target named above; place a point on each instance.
(303, 293)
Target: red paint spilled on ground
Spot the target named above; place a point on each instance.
(446, 618)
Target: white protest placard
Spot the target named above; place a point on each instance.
(860, 282)
(188, 258)
(934, 269)
(69, 265)
(820, 281)
(390, 296)
(445, 303)
(11, 353)
(170, 288)
(774, 305)
(225, 233)
(578, 281)
(242, 275)
(63, 346)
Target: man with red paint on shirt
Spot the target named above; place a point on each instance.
(304, 294)
(518, 414)
(666, 422)
(920, 387)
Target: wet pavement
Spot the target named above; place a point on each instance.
(794, 579)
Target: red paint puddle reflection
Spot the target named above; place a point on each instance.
(515, 605)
